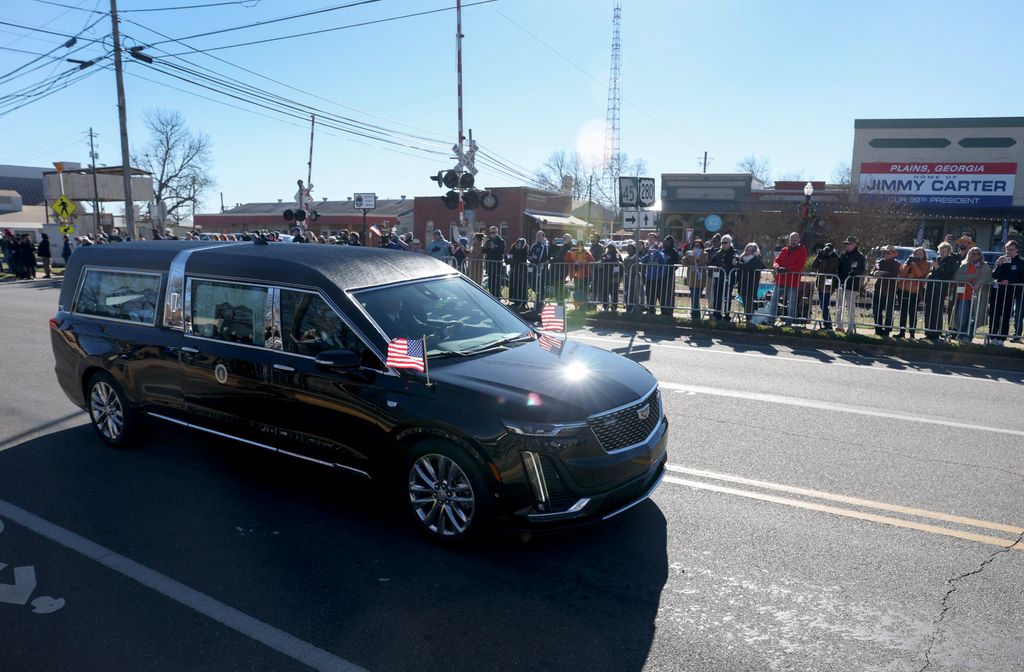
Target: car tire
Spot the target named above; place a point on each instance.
(445, 493)
(112, 416)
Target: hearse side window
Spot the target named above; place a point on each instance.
(229, 312)
(310, 326)
(119, 295)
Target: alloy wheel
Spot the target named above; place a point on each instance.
(441, 495)
(106, 409)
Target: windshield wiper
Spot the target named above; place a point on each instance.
(497, 344)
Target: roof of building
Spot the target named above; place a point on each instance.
(306, 265)
(385, 208)
(29, 188)
(962, 122)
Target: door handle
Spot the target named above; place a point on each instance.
(190, 350)
(284, 367)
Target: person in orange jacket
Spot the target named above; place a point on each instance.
(909, 291)
(788, 267)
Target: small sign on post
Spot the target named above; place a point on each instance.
(63, 207)
(364, 201)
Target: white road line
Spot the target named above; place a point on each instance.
(828, 406)
(255, 629)
(801, 360)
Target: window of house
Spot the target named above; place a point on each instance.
(229, 312)
(119, 295)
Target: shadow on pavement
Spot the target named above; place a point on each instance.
(332, 561)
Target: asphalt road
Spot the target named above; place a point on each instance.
(824, 511)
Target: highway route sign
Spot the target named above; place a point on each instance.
(647, 195)
(629, 192)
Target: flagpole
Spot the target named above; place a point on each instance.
(426, 366)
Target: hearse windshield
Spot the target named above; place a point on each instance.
(457, 317)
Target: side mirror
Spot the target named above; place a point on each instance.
(338, 359)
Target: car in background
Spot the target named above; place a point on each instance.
(903, 253)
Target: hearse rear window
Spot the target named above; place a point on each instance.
(229, 312)
(119, 295)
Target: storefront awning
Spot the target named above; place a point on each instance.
(559, 221)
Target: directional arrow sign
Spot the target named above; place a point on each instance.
(19, 591)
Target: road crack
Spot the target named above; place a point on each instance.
(953, 584)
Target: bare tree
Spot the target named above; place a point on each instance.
(759, 168)
(873, 222)
(792, 176)
(179, 160)
(842, 173)
(568, 172)
(765, 223)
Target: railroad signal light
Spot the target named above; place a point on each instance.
(289, 215)
(451, 200)
(466, 180)
(488, 200)
(451, 179)
(471, 199)
(439, 178)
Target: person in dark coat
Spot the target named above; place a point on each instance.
(1008, 277)
(883, 299)
(722, 261)
(748, 278)
(65, 250)
(827, 264)
(940, 277)
(43, 250)
(609, 274)
(494, 258)
(518, 288)
(851, 276)
(668, 285)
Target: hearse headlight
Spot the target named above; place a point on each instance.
(544, 430)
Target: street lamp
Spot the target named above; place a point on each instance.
(807, 214)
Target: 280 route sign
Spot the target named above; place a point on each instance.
(637, 192)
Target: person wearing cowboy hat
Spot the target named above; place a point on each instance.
(883, 299)
(963, 244)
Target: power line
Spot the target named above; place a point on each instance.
(54, 88)
(291, 17)
(50, 32)
(207, 5)
(336, 28)
(276, 81)
(66, 45)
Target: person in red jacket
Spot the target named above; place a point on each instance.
(788, 267)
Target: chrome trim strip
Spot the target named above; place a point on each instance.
(624, 406)
(258, 445)
(213, 431)
(190, 350)
(284, 367)
(174, 306)
(568, 513)
(223, 342)
(646, 495)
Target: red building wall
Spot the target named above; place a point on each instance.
(430, 213)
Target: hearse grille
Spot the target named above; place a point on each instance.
(626, 427)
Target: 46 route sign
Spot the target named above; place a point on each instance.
(636, 192)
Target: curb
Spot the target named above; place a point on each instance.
(925, 355)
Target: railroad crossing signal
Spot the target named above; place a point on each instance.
(63, 207)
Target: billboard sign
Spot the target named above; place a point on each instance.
(947, 184)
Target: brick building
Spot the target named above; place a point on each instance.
(334, 216)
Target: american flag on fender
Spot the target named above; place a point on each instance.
(551, 343)
(552, 318)
(404, 353)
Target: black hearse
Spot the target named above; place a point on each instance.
(283, 347)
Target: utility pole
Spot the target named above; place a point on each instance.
(704, 162)
(122, 117)
(458, 69)
(309, 173)
(95, 187)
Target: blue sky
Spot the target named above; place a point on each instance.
(781, 80)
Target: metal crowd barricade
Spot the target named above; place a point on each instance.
(1006, 313)
(807, 299)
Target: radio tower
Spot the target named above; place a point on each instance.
(612, 155)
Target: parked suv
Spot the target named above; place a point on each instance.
(286, 348)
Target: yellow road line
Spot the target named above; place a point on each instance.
(856, 501)
(847, 513)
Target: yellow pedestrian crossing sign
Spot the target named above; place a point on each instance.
(63, 207)
(67, 230)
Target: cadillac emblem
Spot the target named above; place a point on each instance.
(643, 411)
